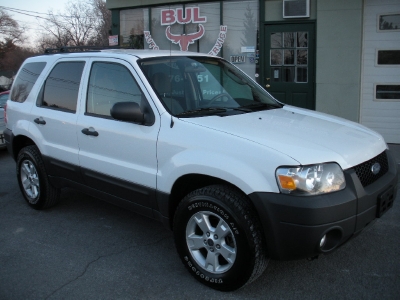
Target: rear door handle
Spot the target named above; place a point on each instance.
(90, 131)
(39, 121)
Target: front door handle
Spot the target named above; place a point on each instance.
(267, 86)
(90, 131)
(40, 121)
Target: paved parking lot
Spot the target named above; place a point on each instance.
(87, 249)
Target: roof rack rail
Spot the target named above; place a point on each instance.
(73, 49)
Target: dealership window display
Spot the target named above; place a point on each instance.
(227, 29)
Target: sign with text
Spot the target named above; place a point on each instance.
(237, 59)
(184, 16)
(172, 16)
(113, 40)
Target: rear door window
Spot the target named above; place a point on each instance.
(61, 87)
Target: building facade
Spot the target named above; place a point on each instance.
(340, 57)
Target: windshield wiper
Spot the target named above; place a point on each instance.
(261, 106)
(204, 110)
(242, 108)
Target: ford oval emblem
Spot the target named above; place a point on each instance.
(376, 167)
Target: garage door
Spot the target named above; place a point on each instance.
(380, 95)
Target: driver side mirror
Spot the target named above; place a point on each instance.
(127, 111)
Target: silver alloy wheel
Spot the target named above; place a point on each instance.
(30, 180)
(211, 242)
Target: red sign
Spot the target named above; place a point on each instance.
(113, 40)
(184, 39)
(172, 16)
(185, 16)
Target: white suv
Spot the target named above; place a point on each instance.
(190, 140)
(3, 100)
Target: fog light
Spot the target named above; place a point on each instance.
(322, 242)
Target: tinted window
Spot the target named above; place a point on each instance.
(62, 86)
(110, 83)
(25, 80)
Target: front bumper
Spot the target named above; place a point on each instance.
(294, 226)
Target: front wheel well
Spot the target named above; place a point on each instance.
(188, 183)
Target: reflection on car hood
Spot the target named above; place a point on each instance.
(306, 136)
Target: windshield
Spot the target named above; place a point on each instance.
(199, 86)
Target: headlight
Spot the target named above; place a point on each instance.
(310, 180)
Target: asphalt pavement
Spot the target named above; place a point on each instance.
(88, 249)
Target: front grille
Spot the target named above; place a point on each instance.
(364, 170)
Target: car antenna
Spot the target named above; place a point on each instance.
(172, 119)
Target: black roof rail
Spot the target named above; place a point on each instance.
(74, 49)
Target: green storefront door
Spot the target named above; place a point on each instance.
(289, 65)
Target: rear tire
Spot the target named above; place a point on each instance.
(33, 181)
(219, 239)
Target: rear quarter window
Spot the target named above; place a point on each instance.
(25, 81)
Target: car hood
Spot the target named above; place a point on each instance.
(306, 136)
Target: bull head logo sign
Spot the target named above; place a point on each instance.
(184, 39)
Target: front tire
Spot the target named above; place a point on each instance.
(33, 181)
(219, 239)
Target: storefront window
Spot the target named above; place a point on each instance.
(133, 24)
(158, 31)
(212, 27)
(241, 44)
(196, 28)
(200, 23)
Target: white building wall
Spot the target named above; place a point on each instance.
(382, 116)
